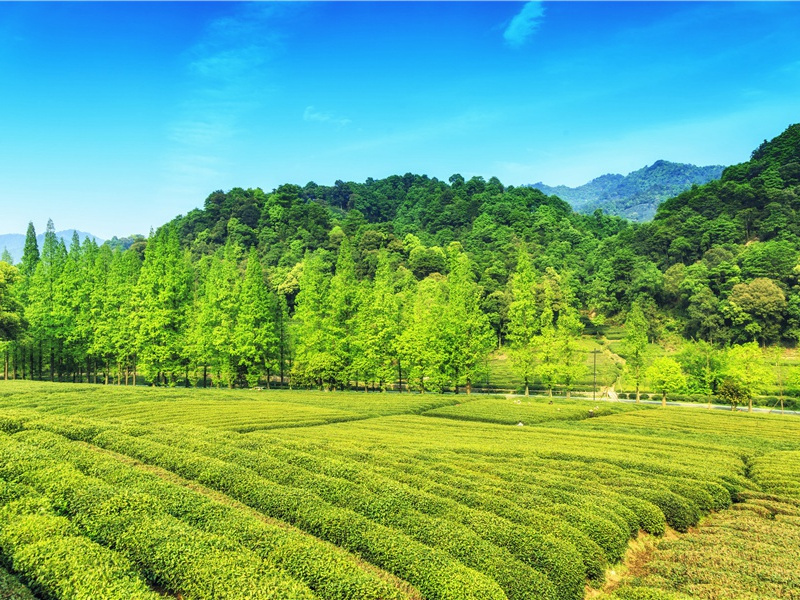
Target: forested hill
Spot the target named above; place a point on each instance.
(410, 275)
(637, 195)
(414, 217)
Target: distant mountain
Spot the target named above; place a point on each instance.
(636, 195)
(15, 242)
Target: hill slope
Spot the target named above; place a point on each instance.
(637, 195)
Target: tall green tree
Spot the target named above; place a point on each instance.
(421, 343)
(341, 313)
(571, 362)
(163, 291)
(30, 252)
(255, 336)
(523, 320)
(10, 307)
(378, 327)
(746, 369)
(636, 327)
(468, 334)
(47, 327)
(703, 364)
(666, 376)
(314, 360)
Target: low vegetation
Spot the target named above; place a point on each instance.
(279, 494)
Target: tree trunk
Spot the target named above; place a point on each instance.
(637, 392)
(663, 399)
(568, 393)
(469, 386)
(527, 388)
(750, 404)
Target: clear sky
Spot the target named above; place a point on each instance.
(117, 116)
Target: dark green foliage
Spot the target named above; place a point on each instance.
(718, 263)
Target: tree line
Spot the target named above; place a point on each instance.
(149, 312)
(407, 278)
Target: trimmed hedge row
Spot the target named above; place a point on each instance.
(433, 572)
(327, 570)
(12, 588)
(172, 554)
(57, 562)
(604, 527)
(274, 461)
(395, 505)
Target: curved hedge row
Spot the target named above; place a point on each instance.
(395, 506)
(172, 554)
(327, 570)
(433, 572)
(57, 562)
(12, 588)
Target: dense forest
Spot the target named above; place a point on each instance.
(406, 278)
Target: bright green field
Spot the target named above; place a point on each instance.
(112, 492)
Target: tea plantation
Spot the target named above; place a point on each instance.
(116, 492)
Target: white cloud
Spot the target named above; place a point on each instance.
(524, 24)
(312, 115)
(227, 75)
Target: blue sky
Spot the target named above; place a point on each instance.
(117, 116)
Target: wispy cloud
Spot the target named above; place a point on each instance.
(312, 115)
(227, 76)
(524, 24)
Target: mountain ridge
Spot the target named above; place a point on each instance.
(634, 196)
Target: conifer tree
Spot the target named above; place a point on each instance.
(523, 321)
(468, 334)
(570, 365)
(636, 327)
(314, 360)
(546, 342)
(41, 310)
(377, 327)
(421, 343)
(255, 337)
(341, 311)
(162, 296)
(30, 253)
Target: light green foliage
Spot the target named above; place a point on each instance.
(314, 360)
(10, 307)
(635, 344)
(666, 376)
(467, 334)
(746, 369)
(255, 339)
(421, 343)
(523, 319)
(161, 305)
(570, 365)
(342, 306)
(457, 509)
(377, 327)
